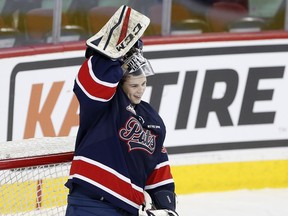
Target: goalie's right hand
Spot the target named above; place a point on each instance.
(147, 208)
(161, 212)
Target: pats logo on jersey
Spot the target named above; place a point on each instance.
(136, 137)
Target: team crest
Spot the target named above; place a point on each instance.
(136, 137)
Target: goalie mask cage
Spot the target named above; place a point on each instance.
(32, 176)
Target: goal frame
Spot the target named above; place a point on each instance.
(33, 173)
(33, 161)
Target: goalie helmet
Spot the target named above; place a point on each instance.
(119, 34)
(134, 63)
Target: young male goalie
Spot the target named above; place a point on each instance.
(120, 165)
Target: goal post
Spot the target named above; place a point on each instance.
(32, 175)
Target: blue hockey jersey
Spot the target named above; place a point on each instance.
(119, 148)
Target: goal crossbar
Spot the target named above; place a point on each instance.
(36, 160)
(33, 173)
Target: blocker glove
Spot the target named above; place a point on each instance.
(164, 204)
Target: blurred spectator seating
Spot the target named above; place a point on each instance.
(91, 15)
(244, 3)
(78, 11)
(38, 27)
(2, 24)
(98, 17)
(182, 19)
(221, 14)
(68, 33)
(247, 24)
(278, 21)
(9, 36)
(190, 26)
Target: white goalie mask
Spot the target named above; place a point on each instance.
(136, 64)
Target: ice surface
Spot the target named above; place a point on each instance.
(266, 202)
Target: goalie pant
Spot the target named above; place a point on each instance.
(119, 149)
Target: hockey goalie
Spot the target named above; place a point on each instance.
(120, 166)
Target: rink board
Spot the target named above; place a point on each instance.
(224, 105)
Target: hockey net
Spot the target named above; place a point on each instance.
(32, 175)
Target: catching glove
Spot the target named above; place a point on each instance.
(120, 33)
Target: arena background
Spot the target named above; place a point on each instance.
(217, 98)
(222, 97)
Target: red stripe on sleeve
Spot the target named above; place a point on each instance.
(107, 179)
(124, 26)
(92, 87)
(159, 175)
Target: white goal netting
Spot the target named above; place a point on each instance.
(32, 175)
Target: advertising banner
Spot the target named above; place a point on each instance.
(212, 96)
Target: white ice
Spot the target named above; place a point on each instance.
(265, 202)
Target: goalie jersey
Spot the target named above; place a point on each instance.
(119, 149)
